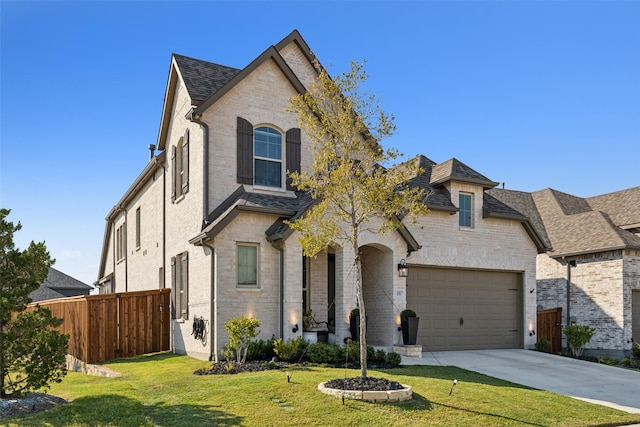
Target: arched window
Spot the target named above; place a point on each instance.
(267, 157)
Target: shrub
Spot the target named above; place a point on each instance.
(287, 350)
(380, 356)
(323, 353)
(635, 351)
(407, 313)
(261, 349)
(543, 344)
(355, 312)
(393, 359)
(350, 352)
(241, 330)
(577, 337)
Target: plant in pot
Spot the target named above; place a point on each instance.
(409, 326)
(308, 323)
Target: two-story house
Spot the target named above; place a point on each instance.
(206, 219)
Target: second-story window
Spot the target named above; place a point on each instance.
(465, 210)
(180, 166)
(267, 157)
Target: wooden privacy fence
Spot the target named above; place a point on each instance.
(550, 328)
(105, 327)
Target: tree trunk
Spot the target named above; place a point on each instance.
(363, 314)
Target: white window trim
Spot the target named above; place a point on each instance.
(283, 149)
(257, 286)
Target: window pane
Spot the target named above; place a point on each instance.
(268, 173)
(268, 143)
(247, 266)
(464, 202)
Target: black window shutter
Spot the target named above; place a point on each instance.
(185, 162)
(185, 283)
(174, 171)
(245, 152)
(293, 138)
(174, 288)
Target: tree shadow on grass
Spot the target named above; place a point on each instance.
(110, 409)
(450, 373)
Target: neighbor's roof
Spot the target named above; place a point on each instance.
(573, 225)
(58, 281)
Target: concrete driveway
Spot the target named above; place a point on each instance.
(593, 382)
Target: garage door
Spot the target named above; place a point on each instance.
(466, 309)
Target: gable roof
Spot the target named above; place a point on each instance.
(57, 281)
(207, 82)
(454, 170)
(202, 78)
(573, 225)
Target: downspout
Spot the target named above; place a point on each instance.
(213, 338)
(279, 247)
(195, 117)
(569, 265)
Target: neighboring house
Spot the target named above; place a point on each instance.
(59, 285)
(206, 219)
(596, 248)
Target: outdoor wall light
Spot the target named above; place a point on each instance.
(295, 328)
(403, 270)
(532, 333)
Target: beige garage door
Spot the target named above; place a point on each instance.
(466, 309)
(636, 316)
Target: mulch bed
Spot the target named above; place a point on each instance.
(354, 383)
(28, 403)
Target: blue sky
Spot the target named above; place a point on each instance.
(532, 94)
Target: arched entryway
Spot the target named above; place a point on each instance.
(377, 286)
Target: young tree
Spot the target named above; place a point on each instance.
(31, 354)
(351, 188)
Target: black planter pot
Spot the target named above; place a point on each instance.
(409, 327)
(354, 327)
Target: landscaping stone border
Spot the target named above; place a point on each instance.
(370, 396)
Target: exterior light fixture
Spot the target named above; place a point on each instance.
(403, 270)
(295, 328)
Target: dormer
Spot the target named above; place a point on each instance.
(465, 188)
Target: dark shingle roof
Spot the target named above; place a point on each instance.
(455, 170)
(58, 281)
(438, 197)
(203, 78)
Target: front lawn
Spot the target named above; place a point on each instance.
(161, 390)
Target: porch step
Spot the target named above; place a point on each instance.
(408, 350)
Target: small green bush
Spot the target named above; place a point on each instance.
(543, 344)
(635, 351)
(323, 353)
(350, 353)
(407, 313)
(355, 312)
(287, 350)
(261, 349)
(380, 356)
(241, 331)
(577, 337)
(393, 359)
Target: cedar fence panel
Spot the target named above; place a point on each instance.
(105, 327)
(550, 327)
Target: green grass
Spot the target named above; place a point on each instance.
(161, 390)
